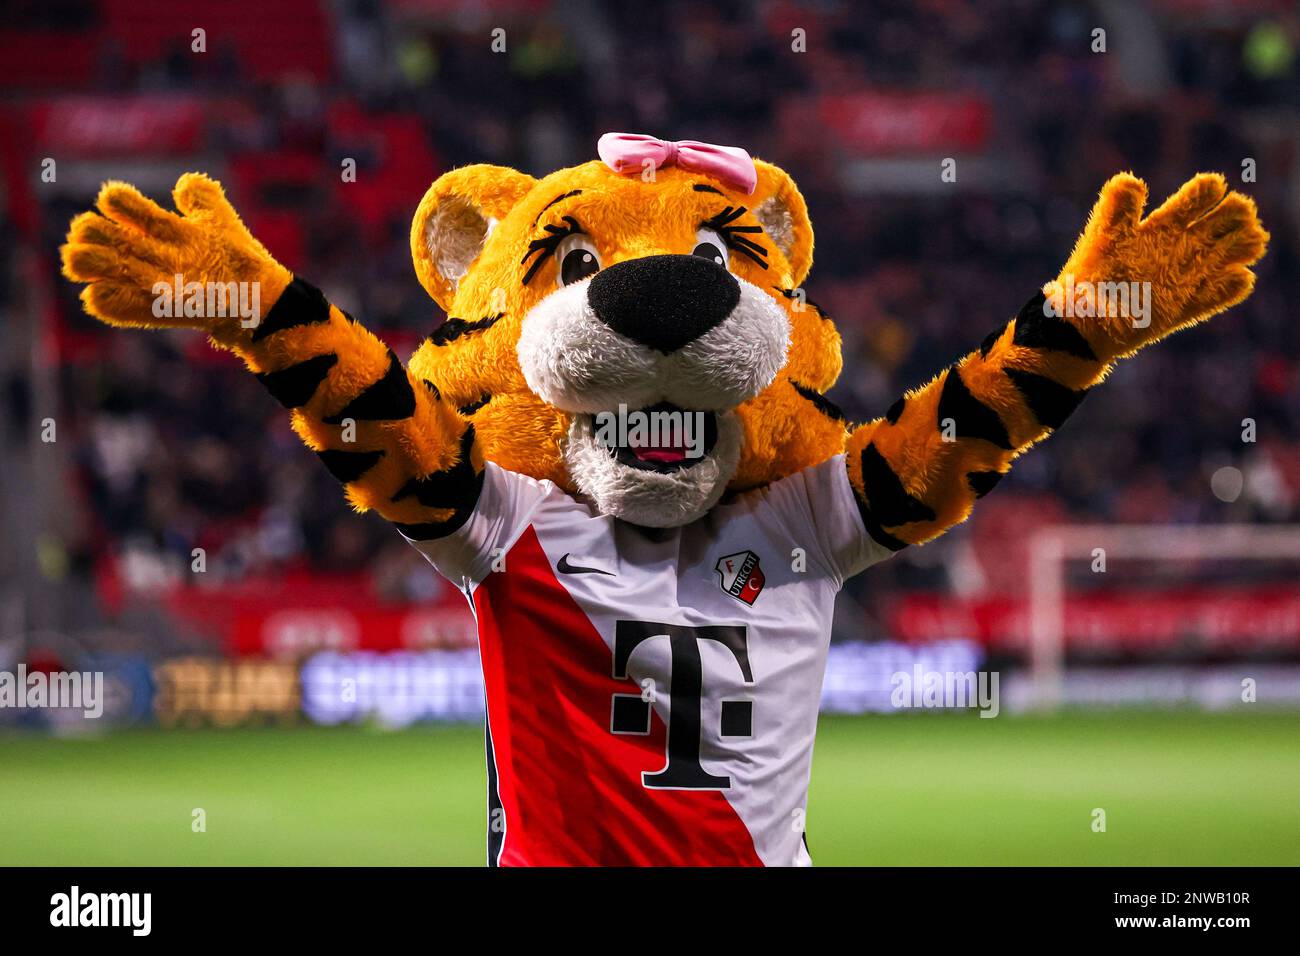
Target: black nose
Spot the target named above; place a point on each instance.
(663, 302)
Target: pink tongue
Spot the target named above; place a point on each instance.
(666, 455)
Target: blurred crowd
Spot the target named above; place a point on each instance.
(179, 452)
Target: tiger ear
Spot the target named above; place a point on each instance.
(454, 220)
(780, 210)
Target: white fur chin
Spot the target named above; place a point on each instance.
(651, 498)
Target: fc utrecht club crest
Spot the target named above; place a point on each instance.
(741, 576)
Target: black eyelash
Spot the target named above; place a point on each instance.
(733, 235)
(547, 244)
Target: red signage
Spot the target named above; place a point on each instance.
(292, 633)
(113, 126)
(289, 617)
(877, 123)
(1199, 620)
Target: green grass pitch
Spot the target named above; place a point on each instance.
(1178, 788)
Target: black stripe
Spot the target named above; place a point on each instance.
(433, 530)
(348, 466)
(896, 410)
(433, 389)
(475, 405)
(455, 487)
(496, 812)
(990, 340)
(299, 304)
(891, 503)
(388, 399)
(972, 417)
(1051, 402)
(572, 192)
(982, 482)
(454, 328)
(701, 188)
(879, 534)
(428, 531)
(294, 386)
(794, 293)
(822, 403)
(1037, 330)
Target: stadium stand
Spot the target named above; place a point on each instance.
(169, 447)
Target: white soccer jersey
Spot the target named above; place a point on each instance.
(652, 696)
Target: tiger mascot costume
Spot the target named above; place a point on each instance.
(653, 608)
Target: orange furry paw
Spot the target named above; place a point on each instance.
(135, 256)
(1131, 281)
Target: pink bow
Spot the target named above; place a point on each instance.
(627, 153)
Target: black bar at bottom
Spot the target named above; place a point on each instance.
(915, 906)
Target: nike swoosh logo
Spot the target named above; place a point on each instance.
(564, 567)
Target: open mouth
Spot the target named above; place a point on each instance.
(661, 437)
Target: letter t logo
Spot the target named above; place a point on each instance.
(631, 713)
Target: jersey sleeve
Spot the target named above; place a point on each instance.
(817, 504)
(504, 509)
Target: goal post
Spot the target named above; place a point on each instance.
(1051, 549)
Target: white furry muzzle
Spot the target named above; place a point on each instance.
(576, 362)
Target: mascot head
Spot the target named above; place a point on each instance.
(634, 328)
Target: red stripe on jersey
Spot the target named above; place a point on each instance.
(571, 789)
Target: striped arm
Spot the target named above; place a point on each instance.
(394, 443)
(918, 471)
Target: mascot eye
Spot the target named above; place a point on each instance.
(578, 260)
(709, 245)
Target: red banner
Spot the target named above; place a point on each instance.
(287, 618)
(877, 123)
(294, 632)
(1252, 619)
(113, 126)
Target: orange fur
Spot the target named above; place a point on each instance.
(1194, 251)
(626, 218)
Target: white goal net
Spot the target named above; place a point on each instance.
(1235, 600)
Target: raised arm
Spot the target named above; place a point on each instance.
(394, 443)
(918, 471)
